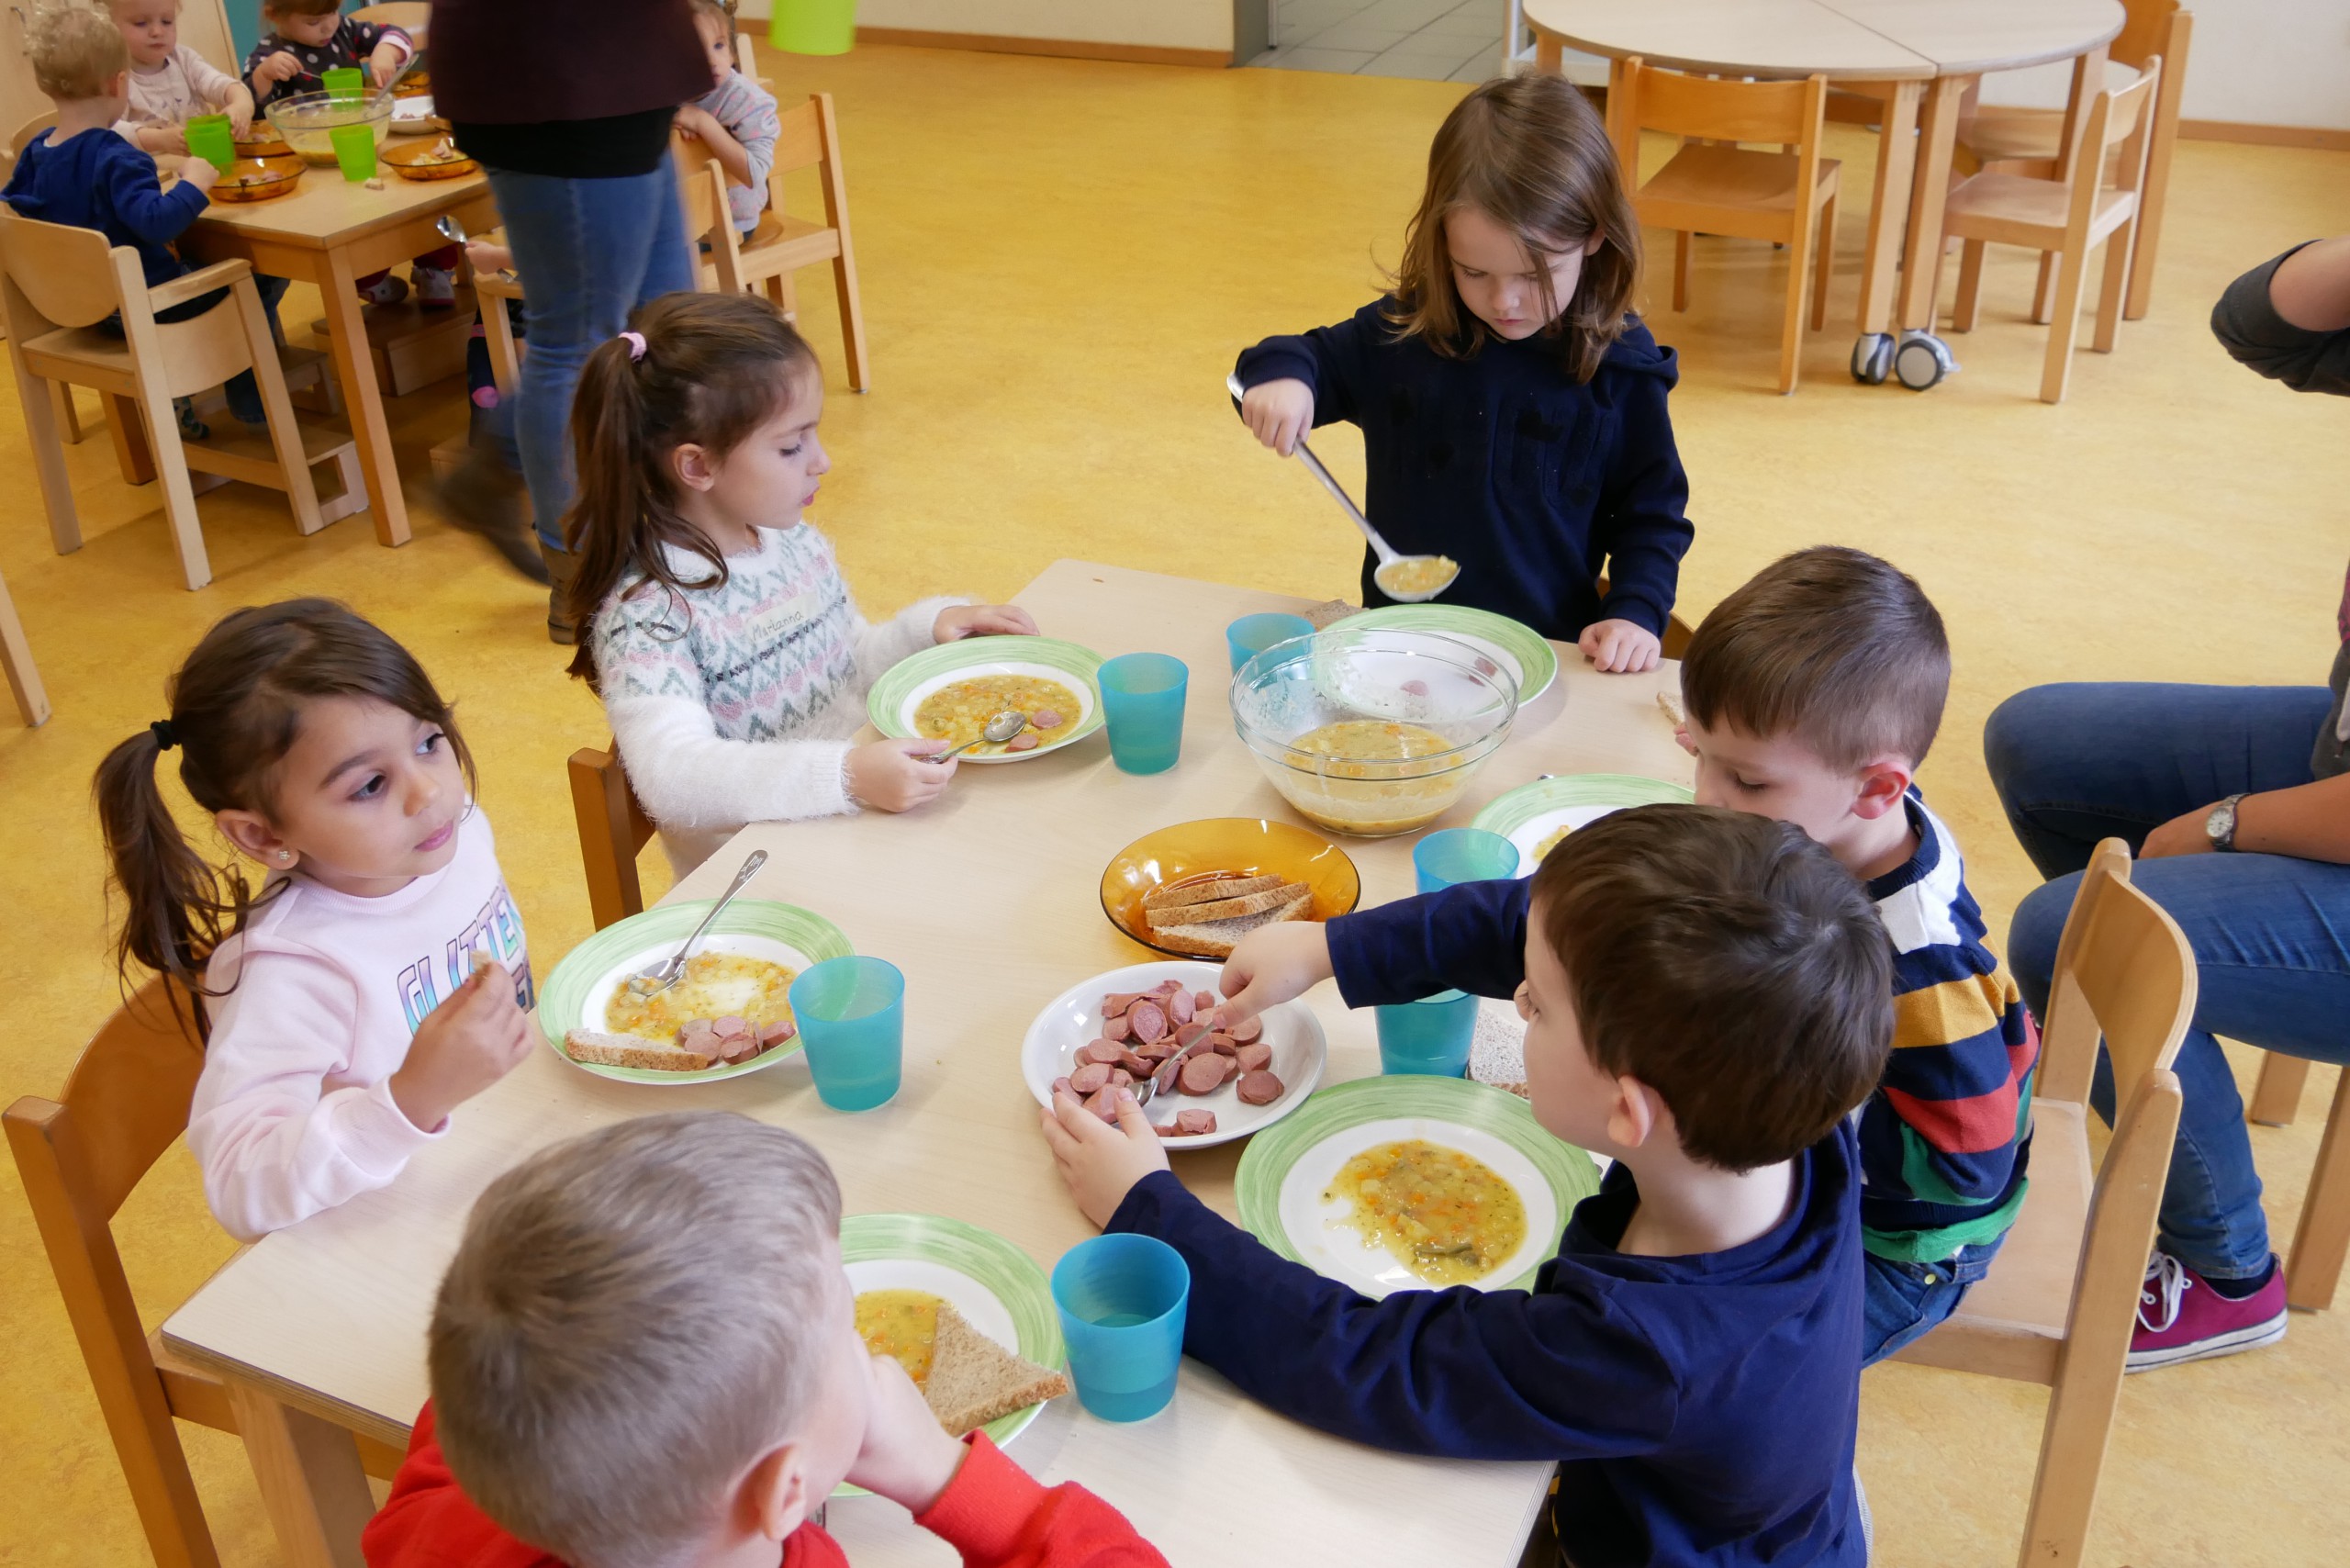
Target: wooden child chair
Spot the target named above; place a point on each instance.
(2062, 1297)
(16, 661)
(2321, 1239)
(1713, 185)
(613, 829)
(2070, 218)
(58, 284)
(80, 1157)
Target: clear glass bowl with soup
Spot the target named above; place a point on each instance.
(308, 121)
(1371, 733)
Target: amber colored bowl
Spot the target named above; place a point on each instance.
(1226, 847)
(269, 179)
(263, 143)
(410, 162)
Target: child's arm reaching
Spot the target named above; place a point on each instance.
(216, 87)
(1641, 526)
(156, 215)
(1469, 938)
(1293, 384)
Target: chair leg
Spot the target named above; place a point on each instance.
(1824, 265)
(2071, 268)
(1970, 287)
(49, 458)
(1791, 325)
(16, 661)
(2043, 290)
(505, 358)
(179, 495)
(1681, 270)
(2113, 287)
(285, 434)
(2277, 1097)
(2321, 1239)
(69, 418)
(834, 185)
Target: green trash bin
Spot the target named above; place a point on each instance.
(813, 26)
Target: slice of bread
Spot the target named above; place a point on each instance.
(632, 1050)
(1229, 908)
(1215, 938)
(973, 1380)
(1214, 889)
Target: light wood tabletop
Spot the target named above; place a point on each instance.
(1971, 38)
(330, 232)
(1743, 38)
(989, 901)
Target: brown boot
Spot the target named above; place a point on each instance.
(562, 567)
(482, 497)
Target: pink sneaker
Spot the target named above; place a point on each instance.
(2182, 1318)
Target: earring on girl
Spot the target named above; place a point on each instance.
(286, 855)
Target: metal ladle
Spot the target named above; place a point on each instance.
(661, 976)
(1000, 729)
(1390, 558)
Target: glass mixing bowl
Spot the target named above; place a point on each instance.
(1371, 733)
(308, 121)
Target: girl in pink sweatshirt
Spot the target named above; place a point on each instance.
(379, 977)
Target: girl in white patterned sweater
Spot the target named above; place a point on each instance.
(730, 655)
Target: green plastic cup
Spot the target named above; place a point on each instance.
(344, 81)
(209, 138)
(354, 149)
(813, 26)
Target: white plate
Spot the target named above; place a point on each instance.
(980, 1305)
(1072, 728)
(599, 997)
(1073, 1019)
(1333, 1250)
(1528, 837)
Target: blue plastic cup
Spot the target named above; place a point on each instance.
(1430, 1035)
(1461, 855)
(1142, 704)
(1120, 1300)
(852, 1017)
(1252, 635)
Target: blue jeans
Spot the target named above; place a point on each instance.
(590, 251)
(2075, 764)
(1905, 1300)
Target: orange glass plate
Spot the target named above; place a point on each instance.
(1237, 846)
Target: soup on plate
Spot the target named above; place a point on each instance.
(1446, 1216)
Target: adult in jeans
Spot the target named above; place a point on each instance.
(567, 105)
(2236, 802)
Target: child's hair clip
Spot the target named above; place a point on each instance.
(635, 341)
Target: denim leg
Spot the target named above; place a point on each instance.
(1906, 1300)
(2078, 763)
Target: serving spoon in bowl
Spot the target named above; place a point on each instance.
(1406, 579)
(661, 976)
(1000, 729)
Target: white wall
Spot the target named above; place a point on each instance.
(2260, 61)
(1161, 24)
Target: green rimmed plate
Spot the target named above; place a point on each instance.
(904, 685)
(996, 1286)
(1287, 1167)
(576, 995)
(1516, 646)
(1531, 813)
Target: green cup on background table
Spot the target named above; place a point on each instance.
(1430, 1035)
(813, 26)
(354, 150)
(1122, 1301)
(851, 1018)
(209, 138)
(344, 81)
(1461, 855)
(1252, 635)
(1142, 704)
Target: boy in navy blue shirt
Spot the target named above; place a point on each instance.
(1707, 997)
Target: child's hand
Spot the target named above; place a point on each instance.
(385, 63)
(693, 121)
(1278, 413)
(907, 1457)
(1101, 1163)
(1272, 965)
(279, 67)
(239, 110)
(199, 172)
(1619, 647)
(165, 139)
(464, 1045)
(957, 621)
(898, 775)
(486, 257)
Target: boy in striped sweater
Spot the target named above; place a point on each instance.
(1814, 692)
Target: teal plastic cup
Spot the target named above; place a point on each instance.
(1430, 1035)
(1252, 635)
(1142, 704)
(852, 1017)
(1120, 1300)
(1461, 855)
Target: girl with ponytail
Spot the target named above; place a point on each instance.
(716, 626)
(347, 1012)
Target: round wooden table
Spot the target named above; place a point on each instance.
(1900, 51)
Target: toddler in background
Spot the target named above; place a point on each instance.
(730, 655)
(735, 119)
(170, 83)
(380, 977)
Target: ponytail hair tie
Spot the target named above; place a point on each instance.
(635, 341)
(165, 737)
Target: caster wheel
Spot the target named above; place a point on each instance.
(1922, 360)
(1873, 359)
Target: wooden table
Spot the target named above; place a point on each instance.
(1933, 50)
(330, 232)
(989, 901)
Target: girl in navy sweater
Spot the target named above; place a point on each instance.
(1512, 409)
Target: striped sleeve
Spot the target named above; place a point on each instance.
(1963, 1049)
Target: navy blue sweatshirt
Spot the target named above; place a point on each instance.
(1534, 483)
(97, 180)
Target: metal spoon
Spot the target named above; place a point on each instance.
(451, 230)
(661, 976)
(1000, 729)
(1390, 558)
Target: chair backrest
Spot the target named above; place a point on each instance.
(2119, 118)
(613, 829)
(68, 275)
(2123, 971)
(2147, 27)
(24, 134)
(1714, 109)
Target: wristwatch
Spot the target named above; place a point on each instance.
(2220, 827)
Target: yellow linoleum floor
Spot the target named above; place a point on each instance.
(1060, 260)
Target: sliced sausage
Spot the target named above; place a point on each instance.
(698, 1035)
(1194, 1124)
(1046, 718)
(1061, 1085)
(1116, 1004)
(1167, 988)
(1090, 1079)
(1166, 1130)
(1104, 1105)
(1147, 1019)
(1415, 688)
(1135, 1066)
(1191, 1034)
(1202, 1074)
(1163, 1080)
(731, 1024)
(777, 1032)
(1258, 1088)
(1024, 741)
(1179, 1006)
(1247, 1032)
(1254, 1058)
(1115, 1028)
(1223, 1044)
(1121, 1079)
(1203, 1000)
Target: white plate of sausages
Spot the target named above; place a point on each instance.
(1122, 1021)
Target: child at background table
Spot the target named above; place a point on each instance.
(730, 655)
(379, 977)
(1706, 1001)
(306, 39)
(646, 1351)
(1513, 409)
(170, 83)
(735, 119)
